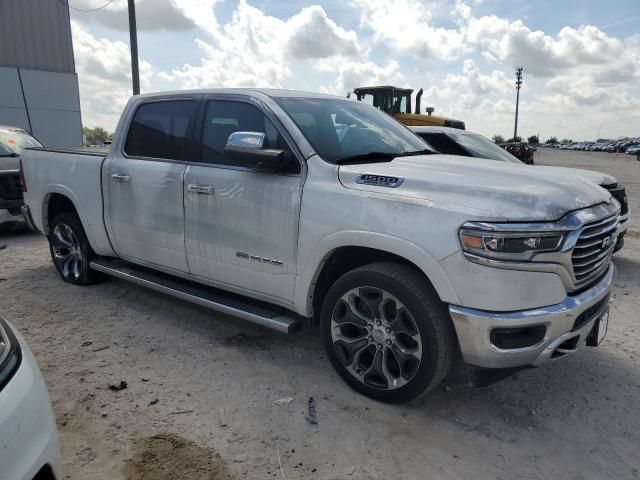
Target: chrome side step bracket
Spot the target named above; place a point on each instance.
(259, 313)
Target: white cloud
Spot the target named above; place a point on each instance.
(104, 73)
(407, 26)
(255, 49)
(351, 75)
(151, 15)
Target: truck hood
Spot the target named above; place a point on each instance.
(596, 177)
(515, 192)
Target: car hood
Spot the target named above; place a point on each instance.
(596, 177)
(515, 192)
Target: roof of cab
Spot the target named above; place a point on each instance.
(270, 92)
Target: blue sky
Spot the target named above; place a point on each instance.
(581, 59)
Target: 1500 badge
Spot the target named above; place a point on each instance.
(380, 180)
(257, 258)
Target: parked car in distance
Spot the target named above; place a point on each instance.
(12, 141)
(465, 143)
(291, 208)
(29, 448)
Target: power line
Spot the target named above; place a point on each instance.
(66, 4)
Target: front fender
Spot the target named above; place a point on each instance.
(421, 258)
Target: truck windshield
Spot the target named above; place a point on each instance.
(481, 147)
(13, 141)
(343, 130)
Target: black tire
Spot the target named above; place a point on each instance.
(70, 250)
(376, 286)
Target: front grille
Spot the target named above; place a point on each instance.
(10, 186)
(618, 192)
(592, 253)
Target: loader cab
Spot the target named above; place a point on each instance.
(397, 102)
(386, 98)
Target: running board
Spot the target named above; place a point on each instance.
(257, 312)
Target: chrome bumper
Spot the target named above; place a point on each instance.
(7, 217)
(28, 219)
(624, 224)
(561, 337)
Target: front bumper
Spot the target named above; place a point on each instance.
(567, 326)
(28, 434)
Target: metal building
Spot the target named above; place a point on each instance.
(38, 82)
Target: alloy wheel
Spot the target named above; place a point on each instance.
(67, 254)
(376, 338)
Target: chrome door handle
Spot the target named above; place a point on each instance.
(118, 177)
(202, 189)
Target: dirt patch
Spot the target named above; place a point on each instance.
(171, 457)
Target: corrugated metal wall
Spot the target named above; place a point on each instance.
(36, 34)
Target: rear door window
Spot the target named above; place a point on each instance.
(162, 130)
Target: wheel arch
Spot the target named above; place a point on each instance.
(58, 200)
(345, 252)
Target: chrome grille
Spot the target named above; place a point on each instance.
(593, 249)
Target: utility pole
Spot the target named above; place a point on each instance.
(518, 85)
(133, 41)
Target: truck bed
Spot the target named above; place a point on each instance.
(94, 151)
(75, 173)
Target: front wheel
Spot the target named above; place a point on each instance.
(70, 250)
(386, 333)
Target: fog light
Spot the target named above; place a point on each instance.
(520, 337)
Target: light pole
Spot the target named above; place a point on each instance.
(133, 41)
(518, 85)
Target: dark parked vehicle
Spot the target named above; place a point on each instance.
(12, 141)
(522, 151)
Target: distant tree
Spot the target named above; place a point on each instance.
(551, 140)
(95, 136)
(514, 139)
(566, 140)
(498, 139)
(533, 140)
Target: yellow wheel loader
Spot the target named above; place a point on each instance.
(397, 102)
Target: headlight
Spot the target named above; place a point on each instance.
(508, 246)
(10, 354)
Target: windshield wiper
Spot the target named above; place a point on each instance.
(10, 155)
(426, 151)
(368, 157)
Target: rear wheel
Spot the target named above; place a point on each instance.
(70, 250)
(386, 332)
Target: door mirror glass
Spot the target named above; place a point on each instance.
(247, 140)
(247, 148)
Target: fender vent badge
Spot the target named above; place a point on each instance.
(380, 180)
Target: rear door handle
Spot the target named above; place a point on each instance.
(201, 189)
(118, 177)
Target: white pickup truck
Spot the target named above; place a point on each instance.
(290, 209)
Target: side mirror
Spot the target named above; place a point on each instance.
(247, 148)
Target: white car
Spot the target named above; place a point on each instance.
(452, 141)
(29, 447)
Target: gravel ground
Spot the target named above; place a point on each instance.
(201, 389)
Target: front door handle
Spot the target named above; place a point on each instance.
(201, 189)
(118, 177)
